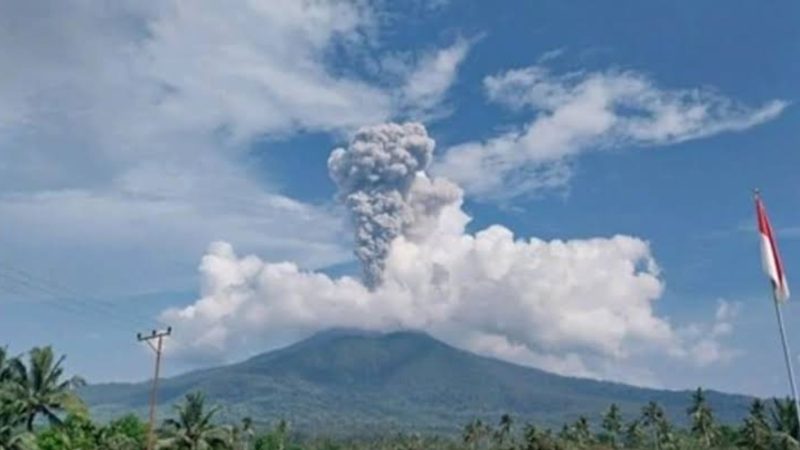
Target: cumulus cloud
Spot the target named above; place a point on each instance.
(569, 306)
(579, 112)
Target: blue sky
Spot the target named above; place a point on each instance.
(134, 135)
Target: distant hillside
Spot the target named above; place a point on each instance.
(351, 382)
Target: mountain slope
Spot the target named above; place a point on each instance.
(354, 382)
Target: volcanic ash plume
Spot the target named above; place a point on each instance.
(376, 175)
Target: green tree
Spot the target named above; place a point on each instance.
(784, 416)
(567, 434)
(5, 365)
(652, 414)
(12, 433)
(635, 436)
(704, 428)
(194, 428)
(612, 426)
(125, 433)
(503, 434)
(275, 439)
(75, 432)
(242, 435)
(40, 388)
(582, 432)
(728, 436)
(784, 420)
(654, 420)
(475, 432)
(755, 433)
(538, 439)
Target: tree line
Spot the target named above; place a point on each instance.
(40, 410)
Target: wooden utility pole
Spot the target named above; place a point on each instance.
(158, 336)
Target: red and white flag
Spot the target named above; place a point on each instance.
(770, 257)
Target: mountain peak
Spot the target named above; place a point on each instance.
(351, 356)
(334, 333)
(322, 340)
(403, 380)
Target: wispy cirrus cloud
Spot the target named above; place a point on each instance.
(431, 78)
(581, 112)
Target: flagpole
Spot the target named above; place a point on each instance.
(776, 278)
(780, 292)
(787, 356)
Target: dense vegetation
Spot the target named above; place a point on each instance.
(40, 410)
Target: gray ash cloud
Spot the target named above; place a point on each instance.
(377, 175)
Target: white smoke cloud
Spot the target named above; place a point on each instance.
(580, 112)
(568, 306)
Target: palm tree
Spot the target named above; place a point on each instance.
(784, 416)
(537, 439)
(242, 435)
(652, 414)
(784, 419)
(12, 435)
(193, 429)
(13, 439)
(474, 432)
(653, 418)
(5, 365)
(567, 434)
(703, 427)
(282, 432)
(634, 435)
(581, 432)
(39, 387)
(503, 433)
(755, 433)
(612, 426)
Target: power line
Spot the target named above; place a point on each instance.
(22, 287)
(80, 309)
(56, 293)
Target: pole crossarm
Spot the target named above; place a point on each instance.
(155, 334)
